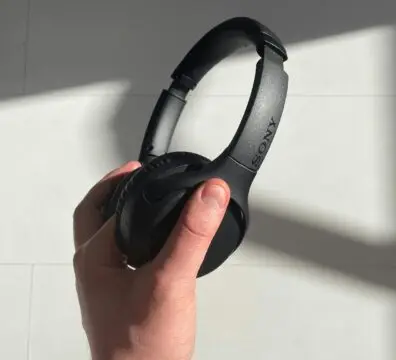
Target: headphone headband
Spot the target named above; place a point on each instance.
(221, 42)
(264, 109)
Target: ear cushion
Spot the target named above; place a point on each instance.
(132, 188)
(143, 226)
(111, 204)
(118, 196)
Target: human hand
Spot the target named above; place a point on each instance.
(148, 313)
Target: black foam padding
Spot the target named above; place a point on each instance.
(111, 204)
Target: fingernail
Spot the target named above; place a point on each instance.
(131, 165)
(214, 195)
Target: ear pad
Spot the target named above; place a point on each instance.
(143, 226)
(111, 203)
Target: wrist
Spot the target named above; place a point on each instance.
(111, 354)
(116, 356)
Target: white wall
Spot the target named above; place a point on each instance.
(315, 277)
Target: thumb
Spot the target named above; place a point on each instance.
(186, 247)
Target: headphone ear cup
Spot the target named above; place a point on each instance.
(144, 226)
(175, 160)
(140, 225)
(226, 240)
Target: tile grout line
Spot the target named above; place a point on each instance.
(248, 264)
(215, 95)
(32, 268)
(36, 264)
(92, 94)
(27, 38)
(203, 95)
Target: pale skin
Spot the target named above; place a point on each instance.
(148, 313)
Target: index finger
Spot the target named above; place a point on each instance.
(88, 218)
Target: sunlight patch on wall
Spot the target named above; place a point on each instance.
(353, 63)
(55, 146)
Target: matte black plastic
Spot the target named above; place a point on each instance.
(221, 42)
(162, 124)
(110, 205)
(263, 113)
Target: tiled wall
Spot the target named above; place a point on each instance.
(315, 277)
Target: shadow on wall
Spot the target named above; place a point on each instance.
(75, 43)
(142, 42)
(319, 246)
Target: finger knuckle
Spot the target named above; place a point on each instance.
(77, 259)
(79, 264)
(195, 226)
(78, 210)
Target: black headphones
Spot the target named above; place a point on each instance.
(148, 201)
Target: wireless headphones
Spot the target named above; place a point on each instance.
(148, 201)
